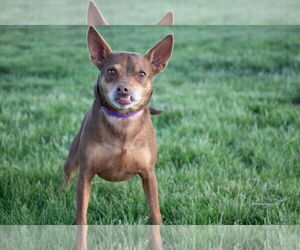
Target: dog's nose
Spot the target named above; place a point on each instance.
(122, 89)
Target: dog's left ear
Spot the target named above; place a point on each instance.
(98, 48)
(167, 19)
(160, 54)
(94, 15)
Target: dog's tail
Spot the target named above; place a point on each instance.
(154, 111)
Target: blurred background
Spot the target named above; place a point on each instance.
(126, 12)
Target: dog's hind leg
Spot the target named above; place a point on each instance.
(71, 165)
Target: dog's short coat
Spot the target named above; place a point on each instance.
(116, 139)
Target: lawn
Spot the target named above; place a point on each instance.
(229, 139)
(126, 12)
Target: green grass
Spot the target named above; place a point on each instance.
(229, 139)
(124, 237)
(128, 12)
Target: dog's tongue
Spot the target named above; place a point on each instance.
(124, 100)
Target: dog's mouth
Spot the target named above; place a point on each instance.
(124, 100)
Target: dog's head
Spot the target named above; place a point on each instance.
(125, 81)
(95, 17)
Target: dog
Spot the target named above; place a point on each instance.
(116, 140)
(95, 17)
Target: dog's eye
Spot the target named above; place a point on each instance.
(141, 74)
(111, 71)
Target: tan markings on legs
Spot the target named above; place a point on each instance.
(151, 192)
(83, 196)
(81, 237)
(155, 238)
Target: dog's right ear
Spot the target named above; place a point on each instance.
(98, 48)
(94, 16)
(160, 54)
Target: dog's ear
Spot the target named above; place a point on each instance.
(160, 54)
(98, 48)
(94, 16)
(167, 19)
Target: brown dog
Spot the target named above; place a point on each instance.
(116, 139)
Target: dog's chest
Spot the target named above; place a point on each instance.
(117, 162)
(119, 148)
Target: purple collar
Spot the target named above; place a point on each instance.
(115, 114)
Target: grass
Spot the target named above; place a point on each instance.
(229, 139)
(187, 12)
(138, 237)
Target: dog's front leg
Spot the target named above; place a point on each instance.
(81, 237)
(83, 196)
(151, 192)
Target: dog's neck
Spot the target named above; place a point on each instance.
(120, 124)
(127, 127)
(118, 115)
